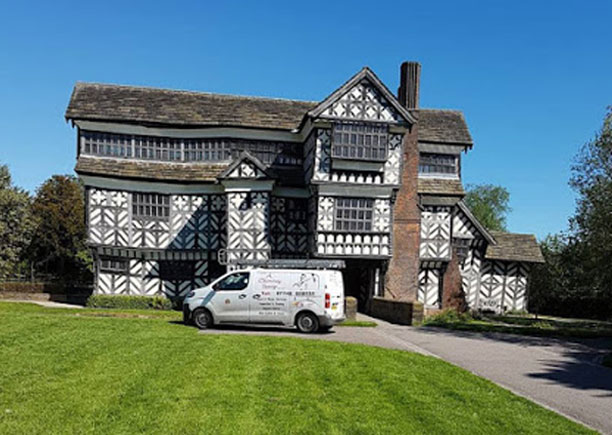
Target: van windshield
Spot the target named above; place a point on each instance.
(235, 281)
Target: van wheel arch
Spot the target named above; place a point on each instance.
(304, 328)
(202, 311)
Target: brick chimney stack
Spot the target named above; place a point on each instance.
(408, 91)
(401, 280)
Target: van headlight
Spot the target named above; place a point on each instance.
(191, 294)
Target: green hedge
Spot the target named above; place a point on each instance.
(130, 302)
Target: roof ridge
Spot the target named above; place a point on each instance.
(431, 109)
(510, 233)
(188, 91)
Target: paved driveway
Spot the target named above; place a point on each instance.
(562, 375)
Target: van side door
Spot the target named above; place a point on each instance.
(271, 297)
(231, 300)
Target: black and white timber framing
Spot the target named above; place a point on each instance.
(182, 185)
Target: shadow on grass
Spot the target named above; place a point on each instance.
(255, 329)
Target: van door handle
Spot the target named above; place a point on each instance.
(242, 296)
(256, 296)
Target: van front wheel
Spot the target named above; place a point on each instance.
(202, 318)
(307, 322)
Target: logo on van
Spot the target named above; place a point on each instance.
(269, 282)
(306, 279)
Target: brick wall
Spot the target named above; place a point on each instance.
(452, 292)
(401, 280)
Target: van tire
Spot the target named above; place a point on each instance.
(307, 322)
(202, 318)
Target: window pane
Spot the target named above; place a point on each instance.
(353, 214)
(366, 141)
(151, 206)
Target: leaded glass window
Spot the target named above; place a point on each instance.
(438, 164)
(204, 150)
(157, 148)
(151, 206)
(360, 141)
(106, 144)
(353, 214)
(113, 265)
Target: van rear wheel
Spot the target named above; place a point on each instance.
(307, 322)
(202, 318)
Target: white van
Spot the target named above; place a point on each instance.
(309, 299)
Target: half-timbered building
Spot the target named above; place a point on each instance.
(181, 185)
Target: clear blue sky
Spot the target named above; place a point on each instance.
(533, 78)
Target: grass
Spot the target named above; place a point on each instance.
(69, 371)
(523, 324)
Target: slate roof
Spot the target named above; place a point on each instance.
(171, 108)
(443, 126)
(161, 171)
(164, 107)
(440, 186)
(514, 247)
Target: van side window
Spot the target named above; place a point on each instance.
(235, 281)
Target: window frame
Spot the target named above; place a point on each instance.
(144, 209)
(433, 164)
(216, 285)
(198, 149)
(120, 265)
(367, 223)
(348, 138)
(106, 144)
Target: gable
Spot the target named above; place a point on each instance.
(363, 102)
(246, 170)
(465, 225)
(363, 98)
(246, 166)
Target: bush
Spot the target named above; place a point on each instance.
(448, 316)
(543, 325)
(130, 302)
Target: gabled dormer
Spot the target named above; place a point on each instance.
(246, 166)
(363, 98)
(359, 134)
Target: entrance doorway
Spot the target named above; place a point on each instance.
(364, 279)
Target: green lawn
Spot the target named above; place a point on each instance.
(69, 371)
(528, 324)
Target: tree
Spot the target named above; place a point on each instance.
(576, 279)
(489, 204)
(59, 242)
(592, 222)
(15, 224)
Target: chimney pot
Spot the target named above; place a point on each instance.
(408, 91)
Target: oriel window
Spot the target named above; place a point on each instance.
(360, 141)
(353, 214)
